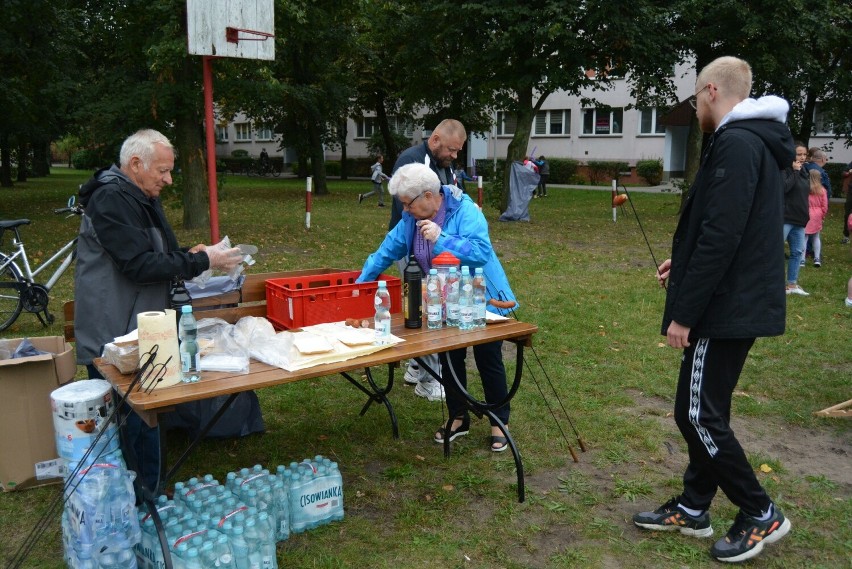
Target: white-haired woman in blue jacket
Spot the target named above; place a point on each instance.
(435, 219)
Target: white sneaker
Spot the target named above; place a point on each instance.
(431, 390)
(796, 289)
(413, 373)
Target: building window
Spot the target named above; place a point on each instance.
(222, 133)
(552, 123)
(506, 123)
(365, 127)
(263, 134)
(242, 131)
(602, 121)
(648, 123)
(401, 126)
(821, 124)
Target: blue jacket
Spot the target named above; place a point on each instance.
(465, 235)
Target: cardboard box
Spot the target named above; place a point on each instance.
(26, 418)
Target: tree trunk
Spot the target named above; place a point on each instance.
(41, 159)
(23, 159)
(189, 143)
(5, 161)
(807, 126)
(320, 184)
(391, 150)
(344, 167)
(517, 149)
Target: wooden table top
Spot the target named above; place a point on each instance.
(418, 342)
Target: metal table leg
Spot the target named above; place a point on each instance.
(377, 394)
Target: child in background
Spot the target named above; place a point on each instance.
(818, 208)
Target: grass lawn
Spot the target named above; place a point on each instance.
(588, 284)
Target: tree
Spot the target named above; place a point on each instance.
(510, 57)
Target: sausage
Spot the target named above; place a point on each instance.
(505, 304)
(356, 323)
(619, 199)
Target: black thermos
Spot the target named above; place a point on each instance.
(412, 294)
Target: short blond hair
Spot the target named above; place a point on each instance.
(451, 127)
(731, 74)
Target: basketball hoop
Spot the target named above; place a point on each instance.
(232, 35)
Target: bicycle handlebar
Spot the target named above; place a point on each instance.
(76, 210)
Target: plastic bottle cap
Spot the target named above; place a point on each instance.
(383, 284)
(185, 308)
(433, 271)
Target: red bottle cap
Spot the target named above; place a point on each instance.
(446, 259)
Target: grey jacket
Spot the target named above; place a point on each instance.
(127, 256)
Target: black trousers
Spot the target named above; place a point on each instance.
(489, 363)
(709, 373)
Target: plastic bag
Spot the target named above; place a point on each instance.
(221, 347)
(264, 344)
(233, 274)
(124, 356)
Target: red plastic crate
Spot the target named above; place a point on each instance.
(294, 302)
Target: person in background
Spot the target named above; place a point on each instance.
(817, 159)
(438, 153)
(817, 208)
(127, 256)
(847, 205)
(462, 177)
(724, 290)
(796, 189)
(544, 175)
(849, 293)
(377, 177)
(264, 160)
(438, 219)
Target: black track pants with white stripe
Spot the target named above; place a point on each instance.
(709, 373)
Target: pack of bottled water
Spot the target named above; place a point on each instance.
(99, 522)
(315, 493)
(266, 492)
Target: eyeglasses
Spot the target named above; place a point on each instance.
(408, 205)
(693, 100)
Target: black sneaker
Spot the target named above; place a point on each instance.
(748, 535)
(670, 517)
(360, 198)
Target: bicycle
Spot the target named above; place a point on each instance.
(18, 289)
(259, 168)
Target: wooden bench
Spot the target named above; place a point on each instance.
(250, 300)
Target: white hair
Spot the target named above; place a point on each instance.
(412, 180)
(141, 144)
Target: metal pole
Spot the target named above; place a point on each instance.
(211, 148)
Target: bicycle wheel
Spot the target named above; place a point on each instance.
(10, 298)
(276, 171)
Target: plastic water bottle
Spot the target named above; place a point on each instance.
(453, 297)
(188, 332)
(433, 300)
(412, 294)
(466, 300)
(479, 298)
(383, 317)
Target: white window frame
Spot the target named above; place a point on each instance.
(222, 131)
(820, 121)
(242, 132)
(365, 127)
(655, 126)
(545, 119)
(613, 113)
(263, 134)
(507, 123)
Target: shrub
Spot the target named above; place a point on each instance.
(562, 170)
(651, 170)
(605, 170)
(239, 153)
(87, 160)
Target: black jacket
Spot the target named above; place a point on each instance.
(127, 256)
(797, 188)
(727, 272)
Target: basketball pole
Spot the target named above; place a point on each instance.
(210, 136)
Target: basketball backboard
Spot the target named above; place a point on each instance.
(231, 28)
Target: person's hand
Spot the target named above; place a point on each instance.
(224, 259)
(677, 335)
(429, 230)
(198, 248)
(663, 272)
(797, 165)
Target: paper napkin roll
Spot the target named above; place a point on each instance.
(160, 329)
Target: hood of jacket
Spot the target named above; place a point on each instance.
(765, 117)
(102, 177)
